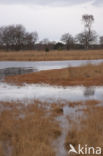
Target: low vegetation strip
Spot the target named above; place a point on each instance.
(50, 56)
(87, 75)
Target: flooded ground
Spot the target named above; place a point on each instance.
(46, 65)
(27, 93)
(14, 71)
(43, 92)
(8, 68)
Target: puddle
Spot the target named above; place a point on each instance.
(68, 112)
(47, 93)
(59, 143)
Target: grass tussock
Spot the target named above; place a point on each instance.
(74, 104)
(52, 55)
(57, 109)
(27, 131)
(87, 75)
(89, 130)
(92, 103)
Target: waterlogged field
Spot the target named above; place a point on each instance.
(48, 108)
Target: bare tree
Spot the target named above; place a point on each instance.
(1, 37)
(88, 21)
(86, 39)
(15, 37)
(35, 37)
(101, 41)
(30, 40)
(68, 40)
(12, 36)
(18, 36)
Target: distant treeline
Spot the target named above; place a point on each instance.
(15, 37)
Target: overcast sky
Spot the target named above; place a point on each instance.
(51, 18)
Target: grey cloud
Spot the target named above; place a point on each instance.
(51, 2)
(44, 2)
(98, 2)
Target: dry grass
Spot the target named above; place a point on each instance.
(27, 130)
(87, 75)
(30, 130)
(52, 55)
(89, 130)
(74, 104)
(86, 103)
(57, 109)
(92, 103)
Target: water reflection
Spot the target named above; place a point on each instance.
(18, 67)
(89, 91)
(46, 65)
(14, 71)
(30, 92)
